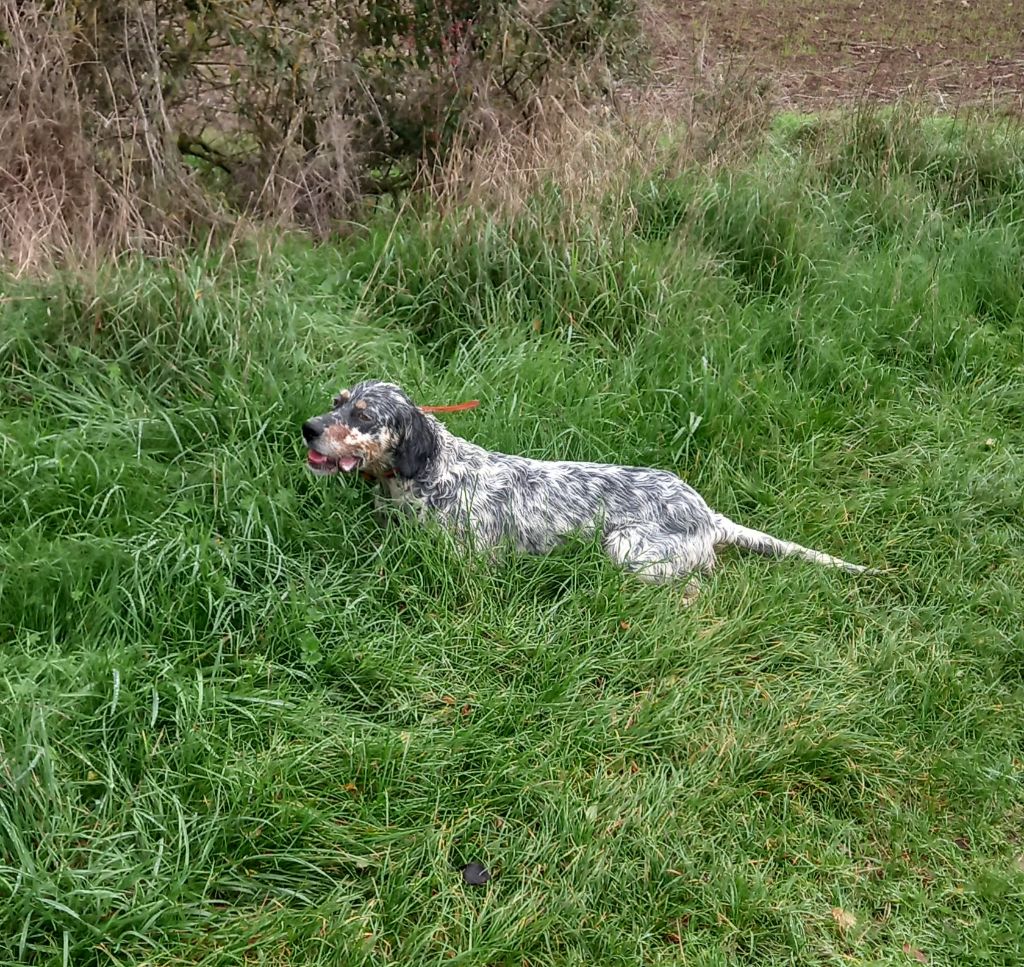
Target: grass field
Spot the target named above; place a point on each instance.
(241, 724)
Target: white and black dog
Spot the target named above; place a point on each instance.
(649, 521)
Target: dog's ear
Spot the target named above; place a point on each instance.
(417, 445)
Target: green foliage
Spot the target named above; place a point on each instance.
(241, 722)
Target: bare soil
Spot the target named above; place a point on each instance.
(950, 53)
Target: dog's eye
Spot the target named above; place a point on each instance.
(362, 416)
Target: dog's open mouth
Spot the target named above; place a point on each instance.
(319, 463)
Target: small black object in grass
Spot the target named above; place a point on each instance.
(475, 874)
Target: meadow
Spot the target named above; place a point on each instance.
(241, 723)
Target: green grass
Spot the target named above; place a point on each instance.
(239, 723)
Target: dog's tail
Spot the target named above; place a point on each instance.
(736, 535)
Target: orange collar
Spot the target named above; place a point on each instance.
(452, 407)
(449, 408)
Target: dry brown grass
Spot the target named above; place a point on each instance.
(55, 202)
(594, 154)
(86, 171)
(95, 134)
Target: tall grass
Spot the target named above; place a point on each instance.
(241, 723)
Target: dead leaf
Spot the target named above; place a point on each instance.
(466, 710)
(536, 325)
(447, 699)
(919, 955)
(624, 625)
(964, 843)
(845, 919)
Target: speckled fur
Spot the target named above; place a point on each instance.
(649, 521)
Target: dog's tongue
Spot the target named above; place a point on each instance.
(342, 463)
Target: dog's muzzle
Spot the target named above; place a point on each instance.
(322, 463)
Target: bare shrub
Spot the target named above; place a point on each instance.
(133, 126)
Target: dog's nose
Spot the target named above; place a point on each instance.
(311, 429)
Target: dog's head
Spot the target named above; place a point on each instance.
(372, 427)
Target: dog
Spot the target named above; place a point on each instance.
(649, 521)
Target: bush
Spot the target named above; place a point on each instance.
(290, 109)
